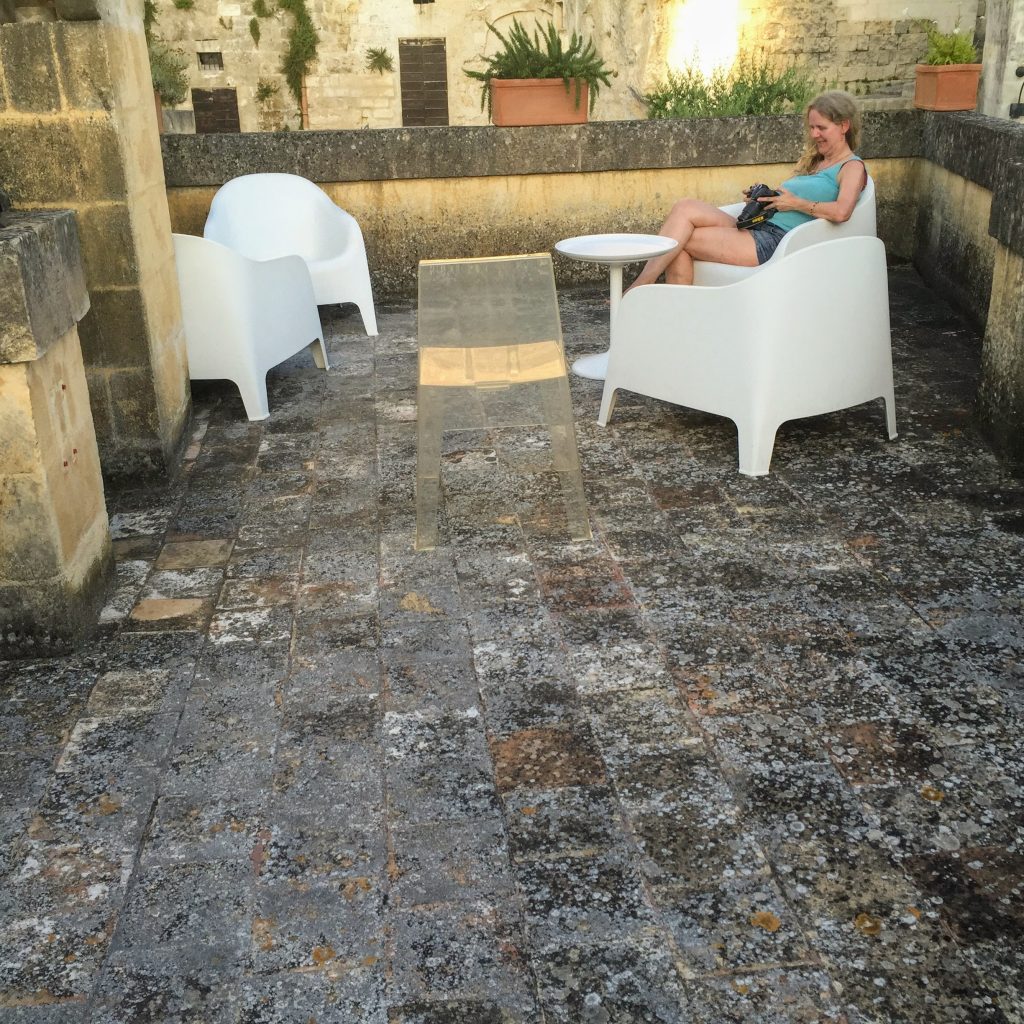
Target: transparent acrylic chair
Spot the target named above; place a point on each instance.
(490, 356)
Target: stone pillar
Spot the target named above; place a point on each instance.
(1003, 54)
(1001, 393)
(79, 131)
(56, 564)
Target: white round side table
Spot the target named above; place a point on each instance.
(615, 251)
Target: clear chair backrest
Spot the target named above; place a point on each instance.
(500, 300)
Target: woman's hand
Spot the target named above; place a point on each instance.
(783, 202)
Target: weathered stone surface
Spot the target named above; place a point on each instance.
(779, 781)
(42, 285)
(114, 331)
(1001, 392)
(77, 10)
(472, 151)
(1007, 223)
(84, 62)
(973, 146)
(78, 160)
(30, 68)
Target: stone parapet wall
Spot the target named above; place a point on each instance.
(461, 191)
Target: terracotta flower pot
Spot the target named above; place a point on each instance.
(524, 101)
(947, 87)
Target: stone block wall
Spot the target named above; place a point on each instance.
(79, 130)
(867, 46)
(56, 564)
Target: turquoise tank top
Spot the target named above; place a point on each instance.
(822, 187)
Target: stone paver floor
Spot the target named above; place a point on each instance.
(753, 754)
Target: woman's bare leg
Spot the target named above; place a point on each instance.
(684, 218)
(704, 231)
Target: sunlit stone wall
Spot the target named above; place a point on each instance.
(868, 46)
(78, 130)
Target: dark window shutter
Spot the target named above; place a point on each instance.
(216, 110)
(424, 70)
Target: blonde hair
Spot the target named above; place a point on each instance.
(836, 106)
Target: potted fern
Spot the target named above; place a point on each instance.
(537, 79)
(948, 78)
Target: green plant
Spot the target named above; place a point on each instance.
(950, 48)
(378, 59)
(542, 55)
(265, 90)
(254, 30)
(302, 46)
(260, 9)
(753, 86)
(167, 64)
(184, 5)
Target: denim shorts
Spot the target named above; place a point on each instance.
(766, 239)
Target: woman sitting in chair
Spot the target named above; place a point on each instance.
(827, 183)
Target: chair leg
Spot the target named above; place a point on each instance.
(890, 413)
(367, 312)
(755, 443)
(608, 397)
(253, 390)
(319, 351)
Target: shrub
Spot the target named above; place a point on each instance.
(260, 9)
(167, 64)
(266, 90)
(254, 30)
(378, 59)
(302, 46)
(753, 86)
(168, 67)
(950, 48)
(184, 5)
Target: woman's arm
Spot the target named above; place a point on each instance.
(852, 178)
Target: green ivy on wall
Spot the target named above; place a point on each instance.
(254, 30)
(302, 43)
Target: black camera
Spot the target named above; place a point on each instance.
(754, 213)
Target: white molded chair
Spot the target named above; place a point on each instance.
(806, 336)
(264, 216)
(242, 317)
(861, 222)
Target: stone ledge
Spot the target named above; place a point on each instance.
(385, 154)
(42, 283)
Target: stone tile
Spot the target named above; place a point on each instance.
(546, 758)
(451, 862)
(193, 554)
(317, 926)
(621, 980)
(354, 994)
(159, 613)
(469, 954)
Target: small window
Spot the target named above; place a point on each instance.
(211, 61)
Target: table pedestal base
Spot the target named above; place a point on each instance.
(593, 367)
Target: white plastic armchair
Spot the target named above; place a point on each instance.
(242, 317)
(806, 336)
(264, 216)
(862, 222)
